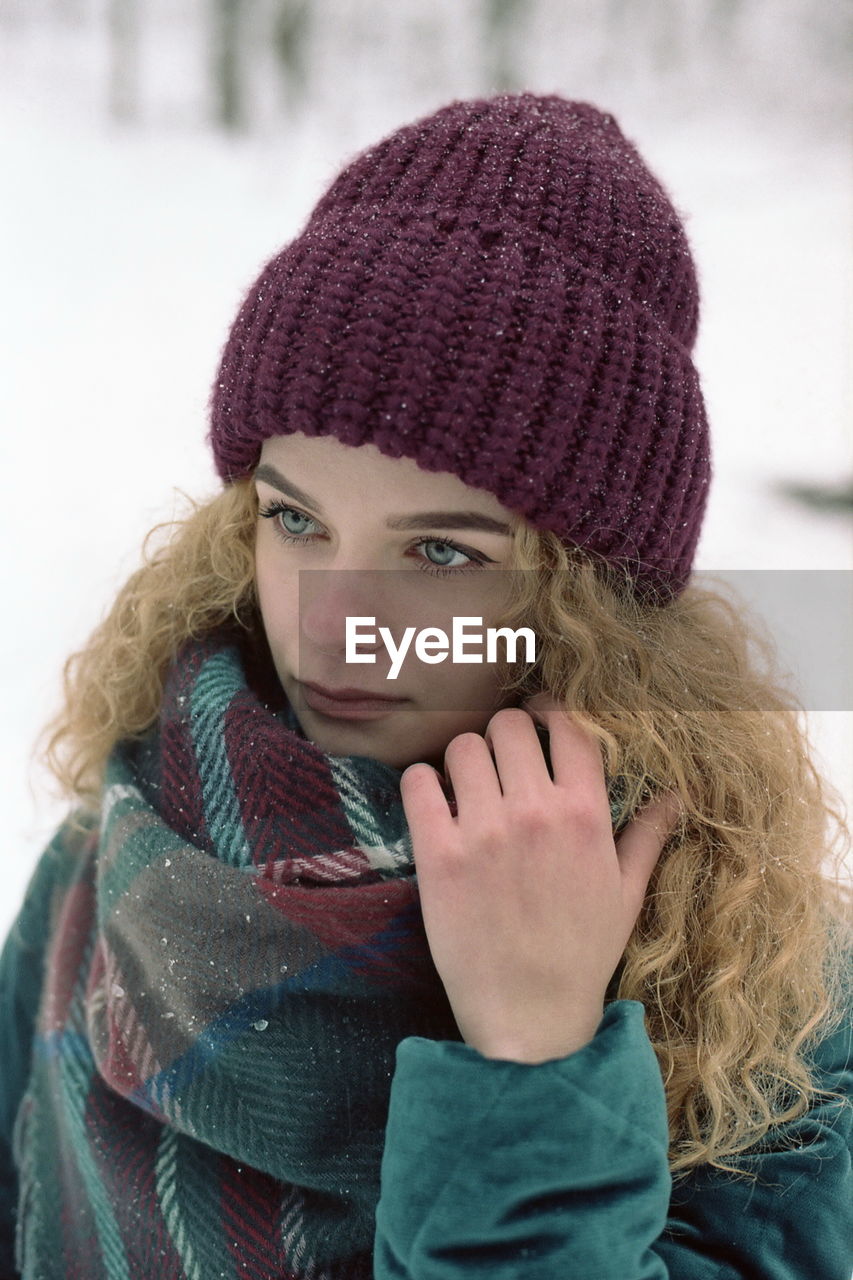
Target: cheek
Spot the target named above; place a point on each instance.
(468, 693)
(277, 593)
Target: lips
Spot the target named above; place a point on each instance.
(349, 703)
(349, 694)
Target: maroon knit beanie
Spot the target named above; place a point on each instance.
(501, 290)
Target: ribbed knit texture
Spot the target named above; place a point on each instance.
(501, 290)
(230, 971)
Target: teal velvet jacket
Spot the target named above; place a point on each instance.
(557, 1171)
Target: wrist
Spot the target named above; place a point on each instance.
(534, 1046)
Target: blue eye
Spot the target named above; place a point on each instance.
(285, 511)
(277, 511)
(441, 570)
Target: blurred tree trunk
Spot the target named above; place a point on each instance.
(502, 30)
(290, 32)
(228, 17)
(721, 29)
(123, 24)
(669, 36)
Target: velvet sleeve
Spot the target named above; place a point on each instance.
(508, 1171)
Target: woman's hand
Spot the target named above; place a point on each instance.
(527, 901)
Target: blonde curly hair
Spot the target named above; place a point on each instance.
(738, 952)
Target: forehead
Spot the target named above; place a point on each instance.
(326, 467)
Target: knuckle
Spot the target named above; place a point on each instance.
(533, 815)
(443, 852)
(489, 837)
(581, 813)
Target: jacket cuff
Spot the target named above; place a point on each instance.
(510, 1156)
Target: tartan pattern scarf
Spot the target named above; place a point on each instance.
(236, 952)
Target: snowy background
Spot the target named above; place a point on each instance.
(156, 152)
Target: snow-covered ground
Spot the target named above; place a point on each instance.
(125, 250)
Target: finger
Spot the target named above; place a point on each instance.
(469, 766)
(424, 801)
(640, 845)
(576, 757)
(519, 761)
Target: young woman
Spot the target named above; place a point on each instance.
(531, 967)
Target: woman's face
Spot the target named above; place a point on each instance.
(326, 506)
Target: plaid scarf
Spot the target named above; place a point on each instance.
(236, 952)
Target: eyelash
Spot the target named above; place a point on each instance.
(274, 509)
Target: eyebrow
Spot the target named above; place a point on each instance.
(418, 520)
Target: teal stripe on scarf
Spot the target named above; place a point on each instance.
(142, 845)
(217, 682)
(76, 1075)
(188, 1192)
(75, 1068)
(386, 831)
